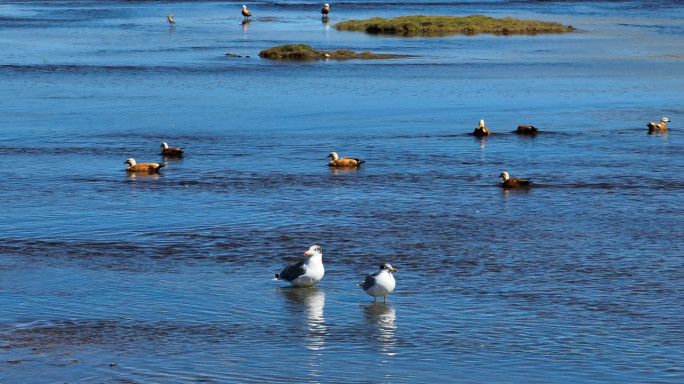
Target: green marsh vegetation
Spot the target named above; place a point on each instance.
(420, 25)
(303, 52)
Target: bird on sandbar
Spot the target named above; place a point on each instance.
(325, 10)
(344, 162)
(307, 272)
(655, 127)
(380, 283)
(526, 130)
(170, 19)
(142, 167)
(481, 130)
(245, 12)
(509, 182)
(170, 151)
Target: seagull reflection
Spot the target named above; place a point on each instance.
(326, 22)
(312, 300)
(335, 170)
(483, 141)
(245, 24)
(383, 317)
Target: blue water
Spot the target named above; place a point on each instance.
(113, 278)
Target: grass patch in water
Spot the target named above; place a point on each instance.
(420, 25)
(303, 52)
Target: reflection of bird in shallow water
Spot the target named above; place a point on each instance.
(304, 273)
(383, 316)
(312, 300)
(380, 283)
(245, 24)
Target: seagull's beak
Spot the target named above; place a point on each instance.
(395, 270)
(307, 253)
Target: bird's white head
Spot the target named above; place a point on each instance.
(387, 267)
(333, 155)
(244, 7)
(504, 175)
(326, 5)
(665, 120)
(481, 123)
(164, 145)
(130, 161)
(314, 250)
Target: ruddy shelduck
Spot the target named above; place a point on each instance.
(509, 182)
(168, 151)
(142, 167)
(481, 130)
(245, 12)
(325, 10)
(526, 130)
(655, 127)
(344, 162)
(170, 19)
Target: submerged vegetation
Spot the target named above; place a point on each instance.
(420, 25)
(305, 52)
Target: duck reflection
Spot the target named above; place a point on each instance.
(383, 317)
(483, 141)
(312, 301)
(335, 171)
(172, 29)
(326, 22)
(245, 24)
(142, 176)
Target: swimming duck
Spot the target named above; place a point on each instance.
(526, 130)
(508, 182)
(142, 167)
(166, 151)
(343, 162)
(654, 127)
(481, 130)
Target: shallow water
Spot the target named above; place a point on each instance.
(109, 277)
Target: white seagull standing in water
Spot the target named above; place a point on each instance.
(304, 273)
(380, 283)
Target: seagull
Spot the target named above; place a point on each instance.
(142, 167)
(170, 151)
(304, 273)
(325, 10)
(170, 19)
(653, 127)
(380, 283)
(246, 13)
(481, 130)
(344, 161)
(507, 182)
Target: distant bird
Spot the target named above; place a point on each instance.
(380, 283)
(304, 273)
(481, 130)
(655, 127)
(142, 167)
(344, 162)
(170, 19)
(508, 182)
(246, 13)
(325, 10)
(170, 152)
(526, 130)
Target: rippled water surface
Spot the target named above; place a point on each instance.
(113, 278)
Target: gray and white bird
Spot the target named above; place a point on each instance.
(380, 283)
(304, 273)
